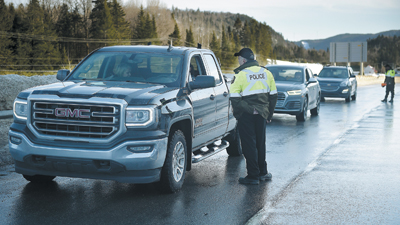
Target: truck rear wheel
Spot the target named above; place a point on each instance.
(39, 178)
(174, 169)
(235, 146)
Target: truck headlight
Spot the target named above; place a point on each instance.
(139, 116)
(294, 92)
(20, 109)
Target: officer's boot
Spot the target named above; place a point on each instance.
(391, 100)
(385, 99)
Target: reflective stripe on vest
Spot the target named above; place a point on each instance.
(252, 78)
(390, 73)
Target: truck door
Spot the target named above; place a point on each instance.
(221, 95)
(203, 101)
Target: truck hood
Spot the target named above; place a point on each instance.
(132, 93)
(288, 86)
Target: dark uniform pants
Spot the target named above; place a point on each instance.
(252, 135)
(389, 88)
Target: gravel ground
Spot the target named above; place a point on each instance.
(5, 157)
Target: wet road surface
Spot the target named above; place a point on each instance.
(339, 167)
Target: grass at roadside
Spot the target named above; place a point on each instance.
(28, 74)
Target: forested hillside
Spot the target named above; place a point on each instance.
(325, 43)
(47, 35)
(382, 50)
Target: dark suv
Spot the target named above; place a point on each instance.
(338, 82)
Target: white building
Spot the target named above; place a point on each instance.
(369, 70)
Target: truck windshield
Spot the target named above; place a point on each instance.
(131, 66)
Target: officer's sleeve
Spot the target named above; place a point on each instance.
(238, 105)
(272, 103)
(273, 94)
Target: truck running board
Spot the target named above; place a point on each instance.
(213, 149)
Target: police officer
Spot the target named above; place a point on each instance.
(389, 81)
(253, 95)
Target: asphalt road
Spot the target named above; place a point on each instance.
(339, 167)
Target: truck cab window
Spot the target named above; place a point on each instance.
(196, 67)
(212, 66)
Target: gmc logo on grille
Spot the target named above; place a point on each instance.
(66, 112)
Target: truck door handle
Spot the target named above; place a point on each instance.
(212, 97)
(225, 94)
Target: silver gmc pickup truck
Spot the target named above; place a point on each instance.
(134, 114)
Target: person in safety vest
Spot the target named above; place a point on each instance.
(253, 96)
(389, 81)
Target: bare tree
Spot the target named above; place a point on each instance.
(86, 6)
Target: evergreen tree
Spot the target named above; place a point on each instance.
(6, 19)
(140, 28)
(153, 28)
(176, 36)
(145, 26)
(245, 35)
(189, 38)
(64, 23)
(102, 22)
(38, 23)
(215, 46)
(227, 57)
(120, 24)
(263, 43)
(238, 25)
(148, 26)
(20, 47)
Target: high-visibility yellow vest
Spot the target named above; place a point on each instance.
(390, 73)
(253, 80)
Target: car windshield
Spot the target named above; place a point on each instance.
(131, 66)
(287, 74)
(333, 73)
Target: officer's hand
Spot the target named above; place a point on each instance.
(269, 121)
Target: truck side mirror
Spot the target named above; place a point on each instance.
(202, 81)
(62, 74)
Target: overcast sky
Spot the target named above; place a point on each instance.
(305, 19)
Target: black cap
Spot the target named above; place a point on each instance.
(388, 66)
(246, 53)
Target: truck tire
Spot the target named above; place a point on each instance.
(235, 146)
(174, 169)
(39, 178)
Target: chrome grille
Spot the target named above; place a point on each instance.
(329, 86)
(281, 100)
(75, 119)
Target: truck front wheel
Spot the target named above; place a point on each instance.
(174, 169)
